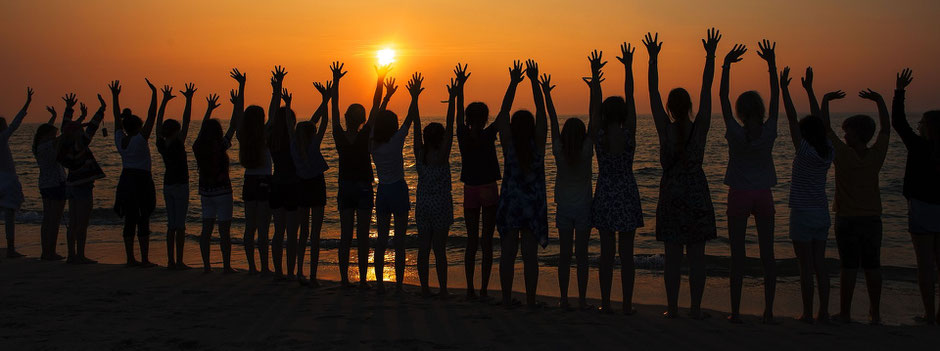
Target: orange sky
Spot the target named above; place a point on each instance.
(59, 46)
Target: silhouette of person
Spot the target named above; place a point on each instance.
(283, 199)
(750, 175)
(305, 149)
(479, 172)
(809, 206)
(171, 140)
(922, 192)
(685, 217)
(135, 198)
(11, 192)
(434, 206)
(52, 177)
(522, 212)
(253, 134)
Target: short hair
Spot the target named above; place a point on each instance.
(477, 112)
(862, 125)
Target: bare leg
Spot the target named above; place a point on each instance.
(72, 229)
(143, 238)
(847, 278)
(565, 241)
(346, 222)
(605, 270)
(804, 255)
(10, 227)
(225, 234)
(582, 236)
(696, 254)
(472, 217)
(292, 226)
(439, 243)
(277, 241)
(737, 230)
(382, 224)
(672, 278)
(204, 241)
(507, 262)
(263, 227)
(822, 279)
(925, 250)
(486, 245)
(51, 218)
(82, 213)
(363, 220)
(180, 244)
(627, 270)
(303, 218)
(251, 222)
(401, 232)
(765, 238)
(130, 228)
(873, 281)
(530, 260)
(315, 226)
(424, 257)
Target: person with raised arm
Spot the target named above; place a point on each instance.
(171, 140)
(284, 181)
(83, 169)
(750, 175)
(434, 207)
(479, 172)
(11, 191)
(522, 212)
(52, 178)
(685, 217)
(135, 198)
(354, 195)
(254, 156)
(308, 158)
(392, 197)
(922, 192)
(809, 205)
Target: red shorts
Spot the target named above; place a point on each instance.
(476, 196)
(750, 202)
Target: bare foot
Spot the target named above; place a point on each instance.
(86, 260)
(11, 253)
(229, 270)
(735, 319)
(182, 266)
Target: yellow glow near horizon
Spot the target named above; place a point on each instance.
(385, 56)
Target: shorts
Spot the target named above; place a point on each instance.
(809, 224)
(284, 195)
(11, 191)
(312, 192)
(573, 217)
(354, 195)
(393, 198)
(923, 217)
(176, 197)
(859, 241)
(256, 188)
(476, 196)
(58, 192)
(217, 207)
(80, 191)
(743, 203)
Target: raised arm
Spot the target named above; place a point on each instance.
(547, 87)
(52, 114)
(390, 89)
(824, 112)
(238, 103)
(84, 112)
(541, 125)
(884, 119)
(337, 69)
(187, 110)
(380, 72)
(115, 88)
(18, 119)
(277, 81)
(151, 111)
(807, 82)
(653, 46)
(70, 102)
(792, 121)
(596, 95)
(768, 53)
(95, 121)
(415, 89)
(898, 115)
(290, 117)
(212, 103)
(321, 115)
(704, 115)
(449, 124)
(724, 89)
(626, 58)
(167, 96)
(502, 119)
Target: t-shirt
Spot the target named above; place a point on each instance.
(137, 153)
(479, 164)
(573, 182)
(174, 160)
(51, 173)
(750, 163)
(808, 184)
(213, 173)
(857, 190)
(354, 162)
(389, 162)
(923, 162)
(311, 166)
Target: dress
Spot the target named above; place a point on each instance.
(434, 205)
(522, 202)
(684, 213)
(616, 203)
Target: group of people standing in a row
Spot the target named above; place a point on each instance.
(284, 177)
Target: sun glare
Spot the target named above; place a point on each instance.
(385, 56)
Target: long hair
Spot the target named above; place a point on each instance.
(813, 131)
(679, 104)
(750, 108)
(305, 133)
(433, 139)
(522, 127)
(355, 116)
(386, 124)
(44, 132)
(251, 137)
(280, 130)
(207, 147)
(169, 128)
(477, 115)
(572, 140)
(131, 124)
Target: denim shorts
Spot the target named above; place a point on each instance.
(393, 198)
(176, 197)
(81, 191)
(217, 207)
(58, 192)
(809, 224)
(354, 195)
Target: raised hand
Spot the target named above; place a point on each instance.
(785, 77)
(338, 72)
(596, 62)
(766, 51)
(168, 93)
(390, 87)
(870, 95)
(834, 95)
(233, 96)
(594, 80)
(152, 88)
(101, 102)
(383, 70)
(711, 42)
(735, 54)
(115, 87)
(461, 74)
(904, 79)
(626, 52)
(286, 96)
(414, 85)
(51, 111)
(190, 90)
(807, 79)
(213, 100)
(652, 43)
(546, 83)
(239, 76)
(83, 109)
(515, 72)
(324, 89)
(532, 70)
(452, 88)
(70, 100)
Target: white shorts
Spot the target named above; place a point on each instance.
(217, 207)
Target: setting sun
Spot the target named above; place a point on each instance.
(385, 56)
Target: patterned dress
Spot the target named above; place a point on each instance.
(434, 206)
(616, 205)
(685, 213)
(522, 202)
